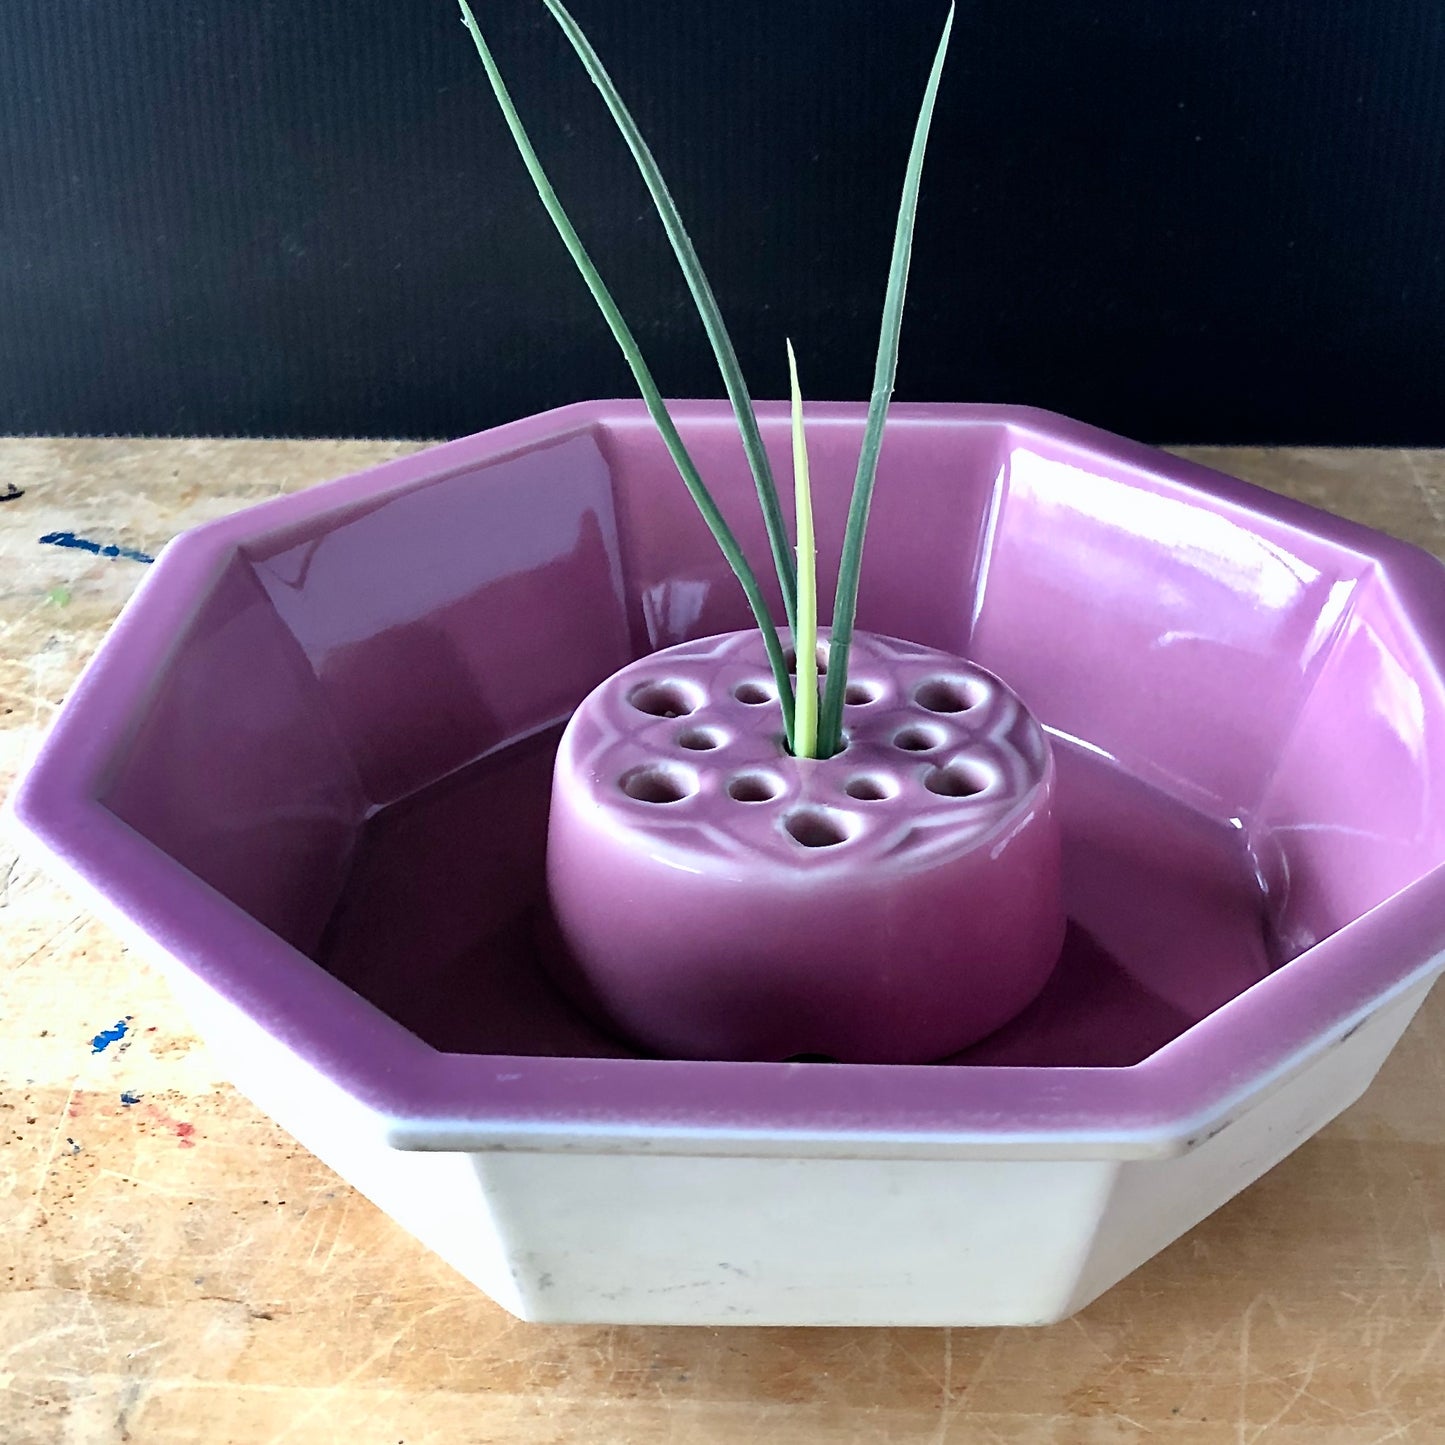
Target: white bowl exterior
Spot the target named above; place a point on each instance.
(632, 1235)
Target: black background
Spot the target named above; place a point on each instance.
(1185, 221)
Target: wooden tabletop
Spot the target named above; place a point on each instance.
(174, 1268)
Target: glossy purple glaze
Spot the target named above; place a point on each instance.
(479, 961)
(721, 899)
(323, 731)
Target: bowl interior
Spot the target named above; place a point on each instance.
(351, 738)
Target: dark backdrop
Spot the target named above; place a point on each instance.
(1203, 220)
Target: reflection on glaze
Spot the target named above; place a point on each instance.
(459, 614)
(1177, 635)
(1198, 543)
(1351, 813)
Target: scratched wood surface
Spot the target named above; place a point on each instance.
(173, 1268)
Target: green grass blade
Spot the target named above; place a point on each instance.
(703, 299)
(805, 634)
(845, 603)
(651, 396)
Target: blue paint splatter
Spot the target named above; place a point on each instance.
(106, 1037)
(127, 1098)
(84, 544)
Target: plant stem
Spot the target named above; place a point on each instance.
(805, 634)
(652, 397)
(703, 299)
(845, 603)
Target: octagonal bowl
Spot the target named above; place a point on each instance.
(309, 774)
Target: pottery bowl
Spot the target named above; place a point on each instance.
(309, 773)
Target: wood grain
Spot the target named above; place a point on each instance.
(176, 1269)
